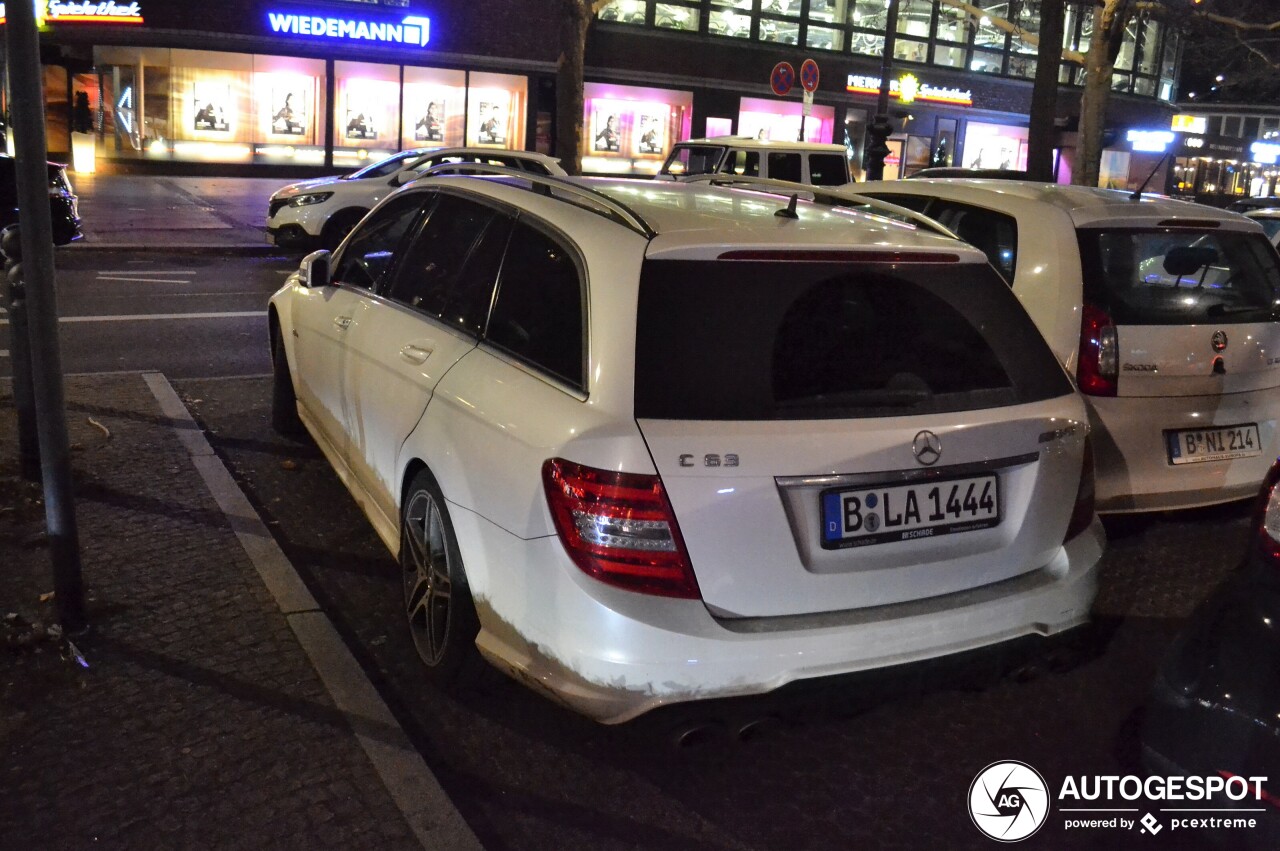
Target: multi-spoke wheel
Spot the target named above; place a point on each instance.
(442, 618)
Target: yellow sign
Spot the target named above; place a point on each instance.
(908, 88)
(1189, 123)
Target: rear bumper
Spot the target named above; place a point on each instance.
(1132, 459)
(613, 655)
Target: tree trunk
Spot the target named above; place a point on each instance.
(1044, 96)
(575, 18)
(1100, 66)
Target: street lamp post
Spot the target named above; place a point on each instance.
(881, 129)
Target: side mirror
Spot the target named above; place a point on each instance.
(406, 176)
(316, 269)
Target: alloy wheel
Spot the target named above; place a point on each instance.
(427, 583)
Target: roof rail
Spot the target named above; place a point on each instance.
(584, 197)
(830, 196)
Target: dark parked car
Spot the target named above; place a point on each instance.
(1244, 205)
(1215, 707)
(62, 201)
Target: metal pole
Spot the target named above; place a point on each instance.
(24, 398)
(26, 80)
(880, 129)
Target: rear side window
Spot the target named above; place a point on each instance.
(435, 275)
(1179, 277)
(772, 341)
(784, 166)
(368, 253)
(746, 163)
(994, 234)
(694, 159)
(828, 170)
(538, 313)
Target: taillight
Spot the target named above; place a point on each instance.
(1099, 353)
(1268, 516)
(619, 528)
(1082, 514)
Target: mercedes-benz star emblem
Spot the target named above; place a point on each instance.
(1219, 340)
(927, 448)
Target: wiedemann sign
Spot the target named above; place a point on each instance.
(413, 31)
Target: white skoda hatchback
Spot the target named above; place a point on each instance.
(1166, 313)
(643, 443)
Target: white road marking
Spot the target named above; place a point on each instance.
(145, 280)
(142, 317)
(105, 272)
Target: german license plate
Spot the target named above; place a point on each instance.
(1191, 446)
(878, 514)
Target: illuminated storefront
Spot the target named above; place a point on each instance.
(630, 129)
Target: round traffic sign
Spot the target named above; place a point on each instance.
(782, 78)
(809, 75)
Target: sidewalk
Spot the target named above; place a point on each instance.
(145, 212)
(214, 705)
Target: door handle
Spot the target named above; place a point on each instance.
(415, 354)
(343, 322)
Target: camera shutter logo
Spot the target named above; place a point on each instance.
(1008, 801)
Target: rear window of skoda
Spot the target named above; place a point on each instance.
(1180, 276)
(762, 340)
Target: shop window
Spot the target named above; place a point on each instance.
(1231, 125)
(910, 50)
(630, 129)
(1022, 65)
(497, 104)
(434, 101)
(985, 61)
(730, 18)
(626, 11)
(366, 112)
(781, 31)
(828, 11)
(676, 17)
(949, 55)
(821, 38)
(1144, 86)
(914, 17)
(1251, 125)
(769, 118)
(867, 44)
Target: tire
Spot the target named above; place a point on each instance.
(339, 225)
(438, 606)
(284, 404)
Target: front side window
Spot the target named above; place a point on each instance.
(1180, 277)
(435, 277)
(693, 159)
(368, 254)
(746, 163)
(538, 311)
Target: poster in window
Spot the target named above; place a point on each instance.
(652, 136)
(918, 153)
(493, 123)
(429, 127)
(288, 112)
(360, 123)
(211, 100)
(604, 132)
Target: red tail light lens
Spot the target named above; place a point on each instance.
(1099, 353)
(1267, 516)
(619, 528)
(1082, 514)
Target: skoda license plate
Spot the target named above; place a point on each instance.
(1191, 446)
(878, 514)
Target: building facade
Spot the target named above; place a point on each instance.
(257, 85)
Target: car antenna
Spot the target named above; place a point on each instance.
(789, 212)
(1137, 193)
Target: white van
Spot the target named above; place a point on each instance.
(798, 162)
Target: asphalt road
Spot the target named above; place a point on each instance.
(187, 315)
